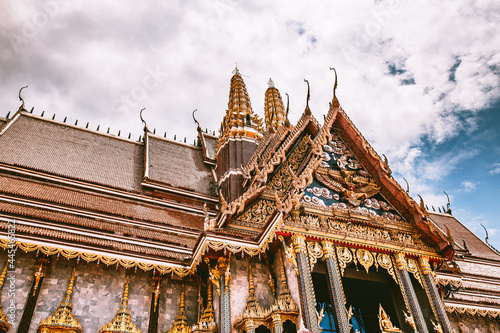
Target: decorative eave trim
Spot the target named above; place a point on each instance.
(472, 309)
(149, 184)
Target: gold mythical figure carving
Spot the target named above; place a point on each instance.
(385, 323)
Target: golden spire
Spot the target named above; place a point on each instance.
(4, 322)
(122, 323)
(274, 109)
(180, 323)
(207, 319)
(240, 120)
(284, 302)
(62, 320)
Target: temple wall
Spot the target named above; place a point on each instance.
(239, 284)
(474, 324)
(97, 293)
(24, 275)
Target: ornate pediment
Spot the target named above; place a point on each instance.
(342, 183)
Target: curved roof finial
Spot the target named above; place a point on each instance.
(407, 185)
(308, 110)
(335, 101)
(448, 208)
(21, 99)
(287, 122)
(196, 121)
(143, 121)
(486, 231)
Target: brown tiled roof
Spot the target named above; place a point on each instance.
(91, 201)
(18, 210)
(178, 165)
(72, 152)
(460, 233)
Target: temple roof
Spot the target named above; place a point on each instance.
(460, 234)
(178, 165)
(73, 152)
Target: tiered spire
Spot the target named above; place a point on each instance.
(253, 310)
(284, 302)
(207, 319)
(180, 323)
(240, 120)
(4, 322)
(122, 323)
(274, 109)
(62, 320)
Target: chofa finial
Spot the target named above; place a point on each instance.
(448, 208)
(335, 101)
(308, 110)
(196, 121)
(143, 121)
(21, 99)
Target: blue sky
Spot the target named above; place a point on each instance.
(420, 79)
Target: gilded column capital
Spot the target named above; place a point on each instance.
(328, 249)
(401, 261)
(299, 243)
(424, 265)
(276, 319)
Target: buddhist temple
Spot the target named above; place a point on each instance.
(269, 226)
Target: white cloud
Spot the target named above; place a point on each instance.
(468, 186)
(495, 170)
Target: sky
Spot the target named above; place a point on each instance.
(420, 79)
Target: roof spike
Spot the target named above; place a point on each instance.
(33, 108)
(307, 111)
(76, 122)
(165, 134)
(43, 112)
(335, 101)
(65, 119)
(433, 209)
(486, 231)
(439, 209)
(108, 130)
(119, 131)
(129, 135)
(21, 99)
(87, 126)
(140, 138)
(8, 114)
(53, 116)
(154, 130)
(184, 139)
(98, 126)
(175, 137)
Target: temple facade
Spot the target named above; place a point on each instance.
(266, 227)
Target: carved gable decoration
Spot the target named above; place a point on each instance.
(342, 183)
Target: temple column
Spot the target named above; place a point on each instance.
(409, 294)
(250, 326)
(307, 297)
(335, 284)
(29, 308)
(225, 301)
(434, 296)
(277, 324)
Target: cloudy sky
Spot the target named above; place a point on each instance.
(420, 79)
